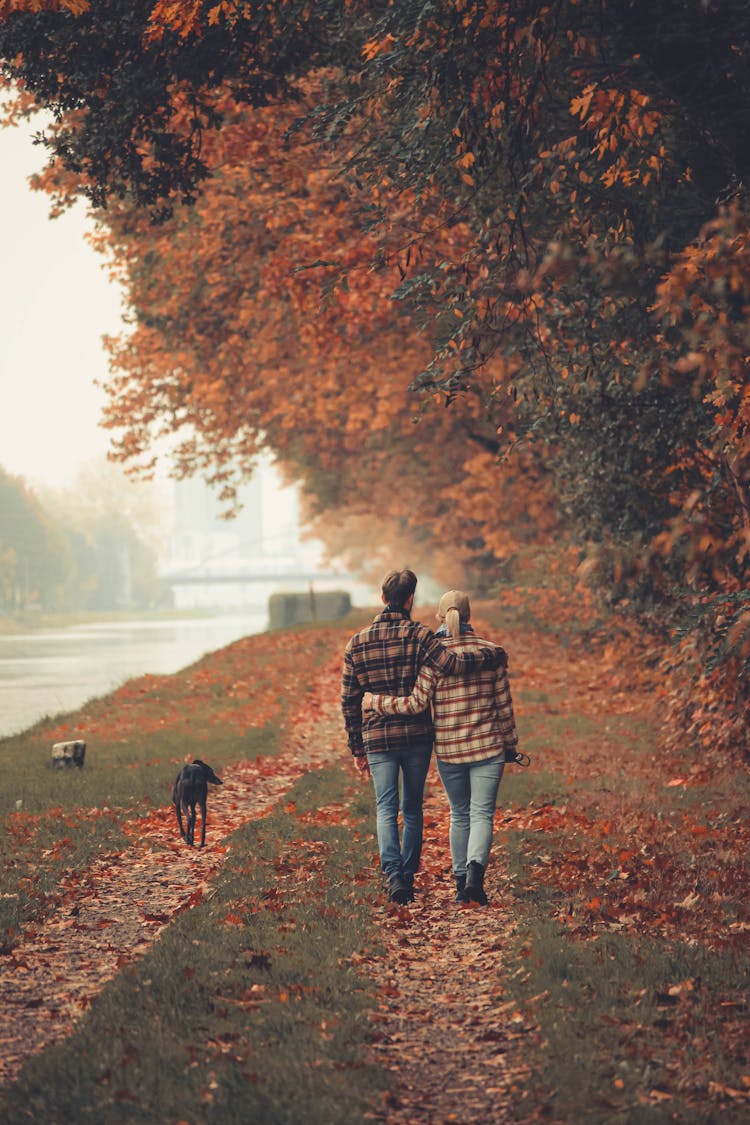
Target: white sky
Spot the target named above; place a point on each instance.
(56, 303)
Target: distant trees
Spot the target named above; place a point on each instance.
(56, 555)
(35, 562)
(525, 223)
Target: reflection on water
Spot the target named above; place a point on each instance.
(47, 672)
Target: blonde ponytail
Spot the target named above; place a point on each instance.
(454, 609)
(453, 622)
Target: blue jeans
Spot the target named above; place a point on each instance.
(385, 766)
(471, 788)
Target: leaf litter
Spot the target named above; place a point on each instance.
(446, 1025)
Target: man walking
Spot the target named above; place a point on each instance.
(385, 659)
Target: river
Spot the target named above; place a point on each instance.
(48, 671)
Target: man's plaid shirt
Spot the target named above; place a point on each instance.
(386, 658)
(473, 715)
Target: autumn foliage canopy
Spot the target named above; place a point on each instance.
(477, 273)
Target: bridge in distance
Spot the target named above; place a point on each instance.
(195, 577)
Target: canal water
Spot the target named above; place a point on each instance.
(49, 671)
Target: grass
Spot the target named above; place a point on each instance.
(249, 1007)
(634, 1030)
(630, 885)
(520, 787)
(120, 774)
(227, 706)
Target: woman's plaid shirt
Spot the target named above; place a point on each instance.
(472, 715)
(386, 658)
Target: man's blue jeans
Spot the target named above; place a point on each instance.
(385, 766)
(471, 788)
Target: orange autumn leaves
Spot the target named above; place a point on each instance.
(237, 351)
(697, 303)
(244, 353)
(629, 872)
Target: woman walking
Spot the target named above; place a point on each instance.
(475, 734)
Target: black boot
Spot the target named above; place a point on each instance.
(460, 888)
(475, 883)
(399, 890)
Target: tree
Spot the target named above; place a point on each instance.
(232, 348)
(544, 202)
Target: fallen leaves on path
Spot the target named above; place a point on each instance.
(633, 838)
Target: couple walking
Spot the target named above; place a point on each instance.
(396, 672)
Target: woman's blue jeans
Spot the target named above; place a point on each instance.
(385, 766)
(471, 788)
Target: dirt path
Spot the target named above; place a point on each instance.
(445, 1026)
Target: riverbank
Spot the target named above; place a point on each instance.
(614, 947)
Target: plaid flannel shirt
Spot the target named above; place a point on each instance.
(386, 658)
(472, 715)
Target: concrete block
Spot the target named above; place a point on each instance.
(298, 609)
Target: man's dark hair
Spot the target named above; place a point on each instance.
(398, 586)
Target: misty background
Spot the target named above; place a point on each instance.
(75, 532)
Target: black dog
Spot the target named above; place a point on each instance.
(191, 789)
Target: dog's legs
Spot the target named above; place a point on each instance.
(179, 819)
(190, 825)
(203, 821)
